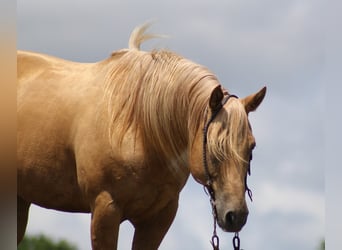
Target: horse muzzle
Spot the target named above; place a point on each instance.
(232, 220)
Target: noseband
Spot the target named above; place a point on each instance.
(208, 187)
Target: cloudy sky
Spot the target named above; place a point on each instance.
(247, 44)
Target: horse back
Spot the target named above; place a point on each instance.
(30, 65)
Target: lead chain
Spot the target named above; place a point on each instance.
(236, 241)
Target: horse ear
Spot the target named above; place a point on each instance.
(251, 102)
(216, 98)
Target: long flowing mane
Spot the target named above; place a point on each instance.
(162, 97)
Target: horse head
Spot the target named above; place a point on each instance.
(221, 152)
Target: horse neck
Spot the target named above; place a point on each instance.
(183, 102)
(198, 103)
(163, 97)
(169, 121)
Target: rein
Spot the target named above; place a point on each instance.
(208, 187)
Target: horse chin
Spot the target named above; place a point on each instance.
(231, 228)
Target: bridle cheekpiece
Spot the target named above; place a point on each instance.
(208, 187)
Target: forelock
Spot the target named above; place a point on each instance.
(229, 132)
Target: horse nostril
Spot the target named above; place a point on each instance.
(234, 220)
(230, 218)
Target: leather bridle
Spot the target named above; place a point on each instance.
(209, 180)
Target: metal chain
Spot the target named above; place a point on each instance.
(236, 241)
(215, 241)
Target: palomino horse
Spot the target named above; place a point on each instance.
(119, 138)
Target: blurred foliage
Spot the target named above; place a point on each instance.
(42, 242)
(322, 245)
